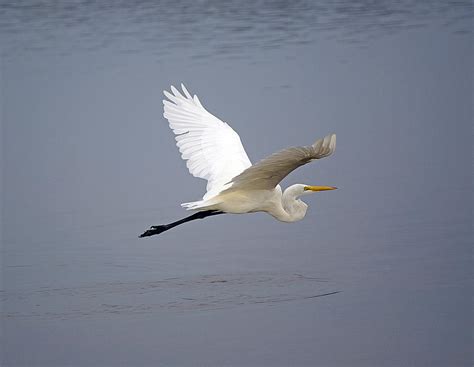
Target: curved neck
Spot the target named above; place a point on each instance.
(292, 209)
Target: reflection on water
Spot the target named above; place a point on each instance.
(208, 292)
(229, 28)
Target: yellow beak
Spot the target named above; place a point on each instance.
(319, 188)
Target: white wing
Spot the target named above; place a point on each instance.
(212, 149)
(267, 173)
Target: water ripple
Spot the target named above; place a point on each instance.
(203, 28)
(206, 292)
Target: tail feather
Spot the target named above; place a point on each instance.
(200, 205)
(192, 205)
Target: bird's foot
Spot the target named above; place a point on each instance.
(154, 230)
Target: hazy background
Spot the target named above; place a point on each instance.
(88, 163)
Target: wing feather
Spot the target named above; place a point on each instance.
(267, 174)
(212, 149)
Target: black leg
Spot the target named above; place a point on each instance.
(164, 227)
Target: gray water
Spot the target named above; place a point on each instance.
(377, 274)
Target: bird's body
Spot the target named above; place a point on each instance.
(274, 201)
(214, 152)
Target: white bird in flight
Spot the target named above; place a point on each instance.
(213, 151)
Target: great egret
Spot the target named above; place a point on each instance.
(214, 152)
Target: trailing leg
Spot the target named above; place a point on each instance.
(164, 227)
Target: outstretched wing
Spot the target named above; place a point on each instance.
(212, 149)
(268, 173)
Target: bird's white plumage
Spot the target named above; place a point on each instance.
(212, 149)
(214, 152)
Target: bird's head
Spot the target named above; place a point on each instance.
(294, 207)
(297, 190)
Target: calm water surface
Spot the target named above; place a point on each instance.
(377, 274)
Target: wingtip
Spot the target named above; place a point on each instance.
(167, 94)
(325, 146)
(185, 91)
(175, 91)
